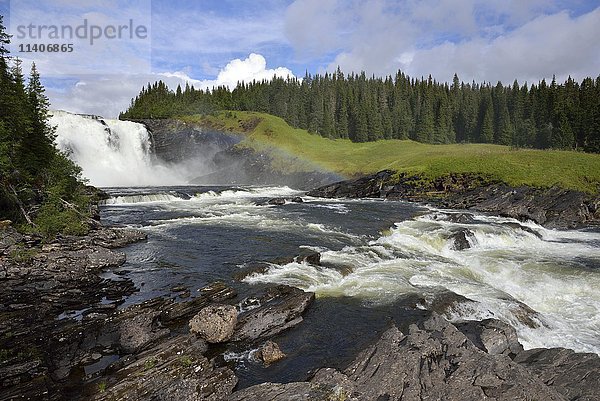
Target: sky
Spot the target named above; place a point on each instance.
(221, 42)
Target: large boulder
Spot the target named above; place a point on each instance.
(215, 323)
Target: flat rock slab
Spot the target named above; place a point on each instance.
(281, 308)
(174, 370)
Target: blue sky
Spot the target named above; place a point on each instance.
(210, 42)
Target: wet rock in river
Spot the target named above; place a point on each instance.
(309, 256)
(215, 323)
(270, 353)
(521, 227)
(461, 240)
(251, 269)
(443, 302)
(281, 308)
(276, 201)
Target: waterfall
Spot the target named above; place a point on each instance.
(112, 153)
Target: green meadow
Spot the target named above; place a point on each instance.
(297, 149)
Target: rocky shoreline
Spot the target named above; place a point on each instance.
(550, 207)
(64, 336)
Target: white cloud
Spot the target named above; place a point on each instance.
(111, 94)
(252, 68)
(487, 40)
(547, 45)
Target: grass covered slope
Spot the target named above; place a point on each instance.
(538, 168)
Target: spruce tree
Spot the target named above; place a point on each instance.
(41, 136)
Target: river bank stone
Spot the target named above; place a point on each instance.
(215, 323)
(270, 353)
(575, 375)
(551, 207)
(54, 287)
(174, 370)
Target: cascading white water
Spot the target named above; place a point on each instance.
(528, 276)
(111, 152)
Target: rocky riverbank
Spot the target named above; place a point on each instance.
(174, 349)
(64, 337)
(65, 334)
(437, 360)
(47, 289)
(551, 207)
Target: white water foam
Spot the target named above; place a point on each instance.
(134, 199)
(507, 270)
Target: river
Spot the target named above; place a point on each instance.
(381, 262)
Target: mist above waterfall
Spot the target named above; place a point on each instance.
(114, 153)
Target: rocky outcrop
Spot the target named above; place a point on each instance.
(372, 186)
(175, 141)
(433, 361)
(574, 375)
(213, 149)
(551, 207)
(172, 371)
